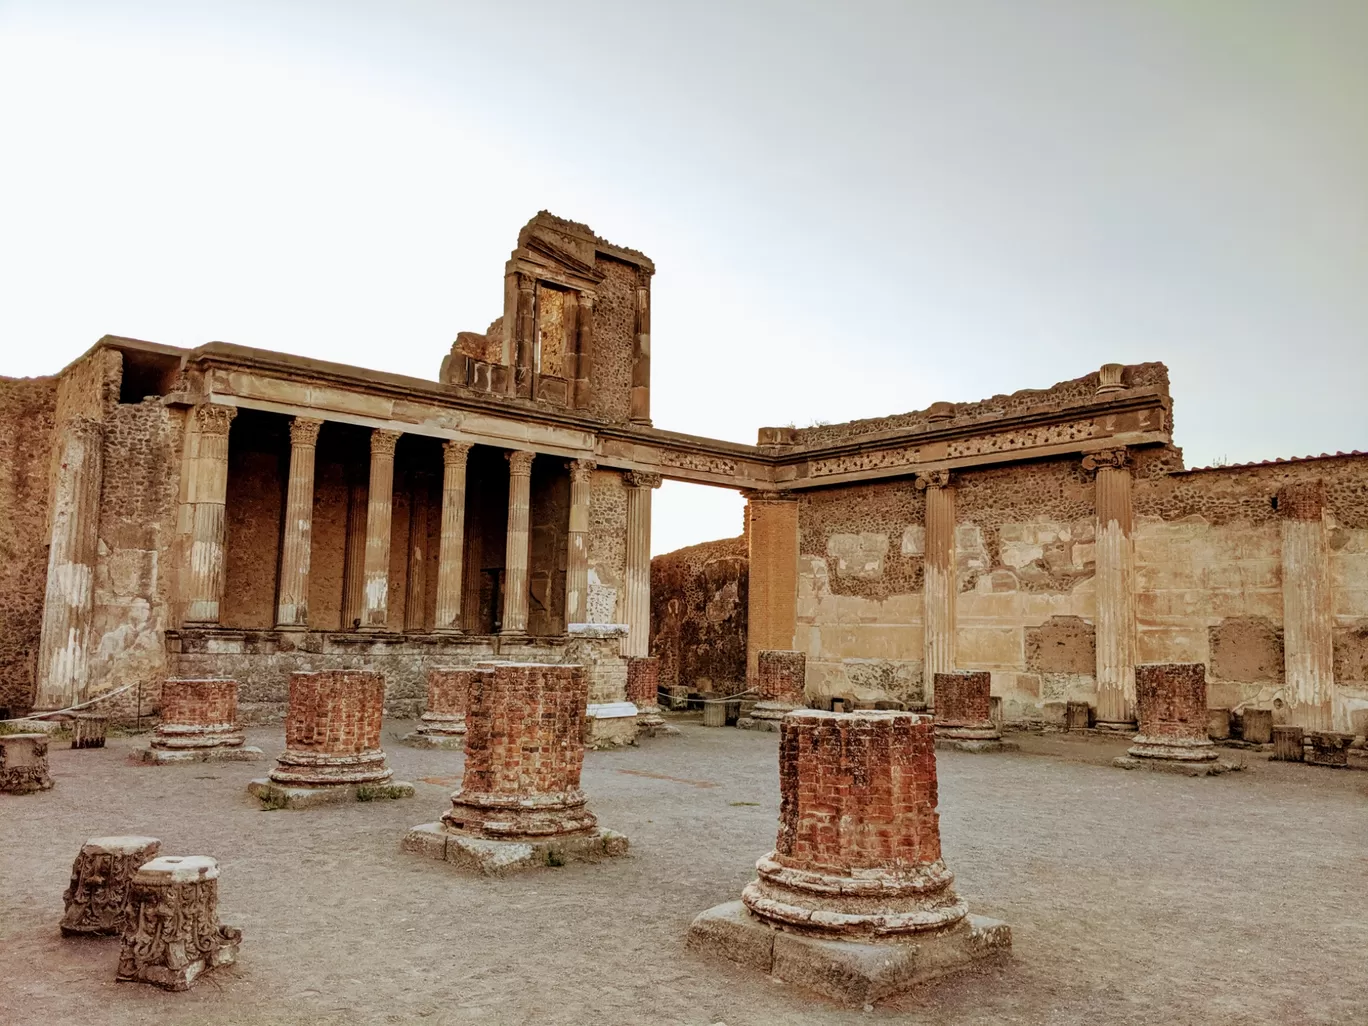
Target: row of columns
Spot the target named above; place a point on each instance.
(367, 560)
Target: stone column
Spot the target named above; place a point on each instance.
(964, 718)
(451, 549)
(518, 549)
(637, 585)
(1308, 618)
(1115, 614)
(415, 585)
(292, 611)
(73, 543)
(443, 723)
(577, 556)
(199, 723)
(524, 334)
(940, 587)
(584, 364)
(1172, 704)
(857, 859)
(207, 496)
(772, 602)
(354, 557)
(641, 352)
(379, 510)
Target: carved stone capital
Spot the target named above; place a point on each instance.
(383, 442)
(304, 431)
(97, 899)
(454, 453)
(1110, 459)
(1109, 378)
(520, 462)
(213, 419)
(933, 479)
(641, 479)
(586, 300)
(526, 282)
(582, 470)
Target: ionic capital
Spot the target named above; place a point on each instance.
(214, 419)
(1107, 459)
(304, 431)
(641, 479)
(933, 479)
(383, 442)
(454, 453)
(520, 462)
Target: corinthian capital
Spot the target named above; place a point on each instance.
(933, 479)
(383, 442)
(641, 479)
(520, 462)
(454, 453)
(304, 431)
(581, 470)
(213, 419)
(1107, 459)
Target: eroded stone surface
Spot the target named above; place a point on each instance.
(172, 935)
(97, 899)
(24, 763)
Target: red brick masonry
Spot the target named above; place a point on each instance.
(332, 730)
(780, 676)
(963, 705)
(447, 696)
(198, 714)
(1172, 708)
(643, 682)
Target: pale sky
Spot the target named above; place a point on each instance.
(855, 208)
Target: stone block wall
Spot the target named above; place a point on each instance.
(699, 596)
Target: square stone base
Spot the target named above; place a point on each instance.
(495, 858)
(856, 972)
(171, 756)
(949, 744)
(279, 796)
(1211, 768)
(450, 742)
(184, 978)
(603, 732)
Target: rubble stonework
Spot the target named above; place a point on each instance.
(520, 803)
(172, 935)
(780, 679)
(97, 900)
(1172, 709)
(963, 716)
(199, 723)
(443, 723)
(855, 901)
(24, 763)
(332, 743)
(611, 716)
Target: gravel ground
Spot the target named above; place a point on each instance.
(1133, 897)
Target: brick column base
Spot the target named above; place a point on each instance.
(443, 723)
(1172, 708)
(199, 723)
(964, 719)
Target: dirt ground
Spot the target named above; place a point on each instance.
(1133, 897)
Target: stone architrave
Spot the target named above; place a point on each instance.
(1171, 700)
(780, 679)
(97, 898)
(520, 804)
(855, 901)
(172, 935)
(332, 743)
(443, 723)
(24, 763)
(199, 723)
(964, 717)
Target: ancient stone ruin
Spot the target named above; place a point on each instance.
(172, 935)
(855, 901)
(964, 718)
(520, 803)
(1171, 698)
(443, 723)
(199, 723)
(780, 679)
(89, 730)
(97, 900)
(332, 743)
(24, 763)
(643, 691)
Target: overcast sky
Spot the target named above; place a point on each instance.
(855, 208)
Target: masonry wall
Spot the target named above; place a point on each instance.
(614, 340)
(607, 547)
(698, 615)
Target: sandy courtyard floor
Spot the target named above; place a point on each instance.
(1133, 897)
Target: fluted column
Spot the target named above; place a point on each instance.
(577, 555)
(354, 555)
(207, 496)
(641, 352)
(940, 580)
(1308, 620)
(637, 600)
(518, 550)
(292, 609)
(584, 363)
(524, 334)
(379, 511)
(451, 548)
(63, 645)
(415, 583)
(1115, 596)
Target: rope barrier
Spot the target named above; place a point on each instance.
(71, 709)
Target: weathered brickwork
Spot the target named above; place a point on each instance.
(781, 676)
(698, 615)
(963, 699)
(643, 681)
(1171, 698)
(336, 712)
(198, 713)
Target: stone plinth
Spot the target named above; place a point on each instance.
(520, 803)
(1288, 742)
(1327, 748)
(332, 743)
(24, 763)
(855, 901)
(1218, 724)
(611, 717)
(443, 723)
(1172, 706)
(643, 691)
(1258, 726)
(172, 935)
(964, 717)
(199, 723)
(1077, 716)
(780, 680)
(97, 899)
(89, 730)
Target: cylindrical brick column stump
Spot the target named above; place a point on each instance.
(332, 744)
(199, 723)
(854, 902)
(443, 723)
(172, 935)
(520, 803)
(24, 763)
(1287, 744)
(643, 691)
(963, 714)
(1327, 748)
(97, 899)
(1171, 703)
(780, 679)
